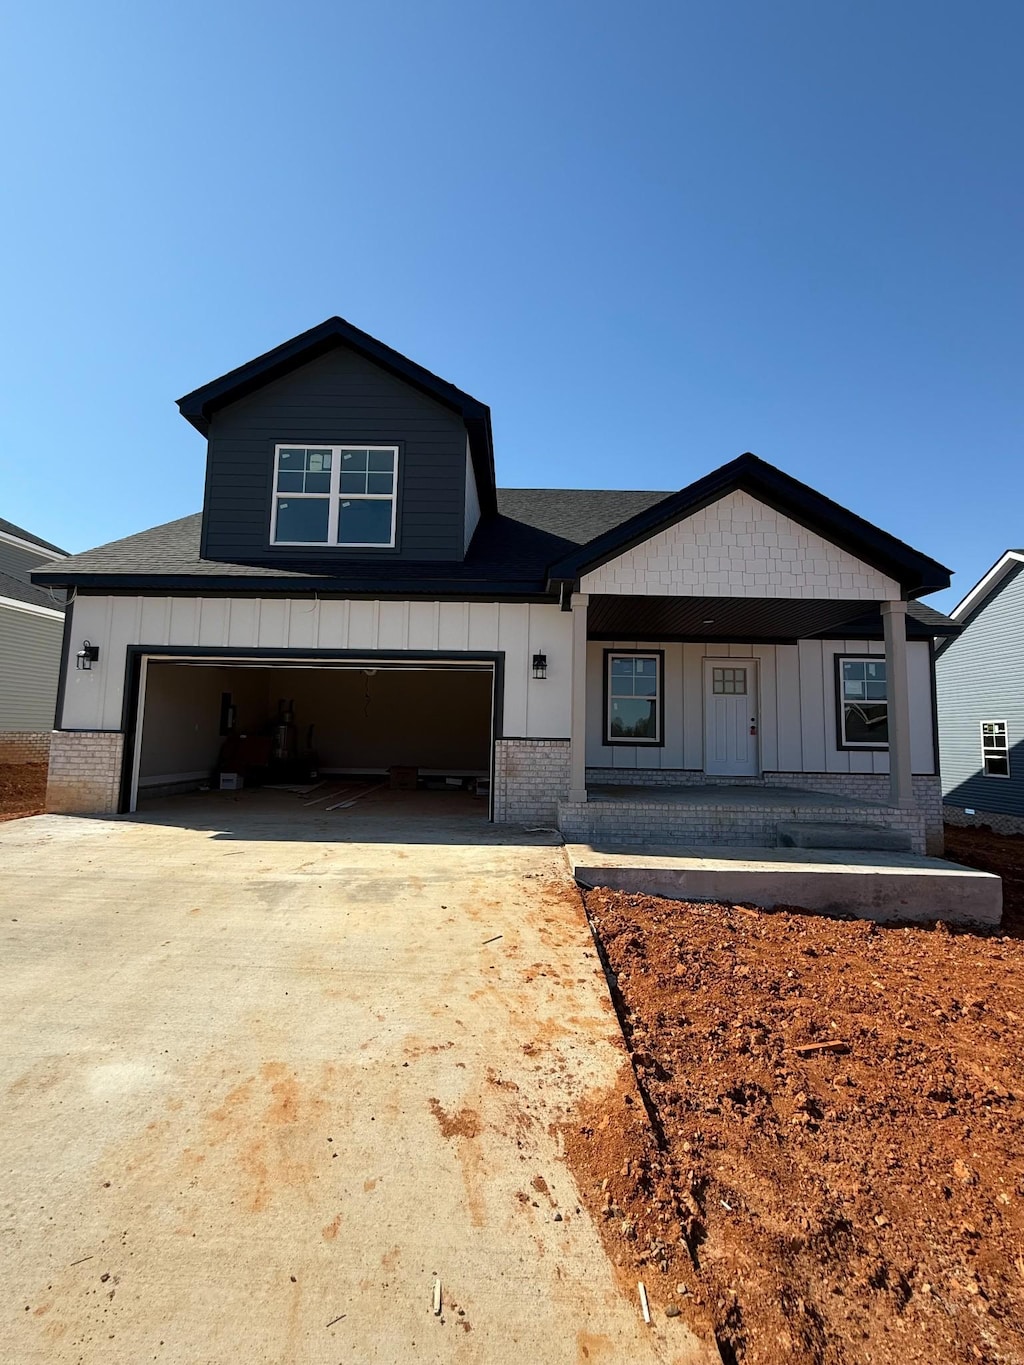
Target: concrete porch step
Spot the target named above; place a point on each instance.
(879, 885)
(829, 834)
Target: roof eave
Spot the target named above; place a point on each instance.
(431, 588)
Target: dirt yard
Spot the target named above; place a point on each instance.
(831, 1168)
(22, 789)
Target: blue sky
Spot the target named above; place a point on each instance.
(650, 236)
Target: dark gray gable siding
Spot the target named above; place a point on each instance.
(979, 677)
(338, 398)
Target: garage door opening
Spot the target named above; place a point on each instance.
(206, 724)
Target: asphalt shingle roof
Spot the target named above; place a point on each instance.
(21, 591)
(10, 529)
(533, 528)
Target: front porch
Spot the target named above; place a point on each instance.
(758, 813)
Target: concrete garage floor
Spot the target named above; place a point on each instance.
(257, 1080)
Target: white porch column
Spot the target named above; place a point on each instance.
(578, 721)
(894, 622)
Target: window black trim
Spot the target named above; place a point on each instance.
(606, 739)
(343, 553)
(840, 737)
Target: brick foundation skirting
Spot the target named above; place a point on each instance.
(85, 772)
(530, 777)
(704, 824)
(995, 820)
(28, 746)
(859, 786)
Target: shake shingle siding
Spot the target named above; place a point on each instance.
(339, 398)
(980, 677)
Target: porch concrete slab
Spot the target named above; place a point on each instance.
(873, 884)
(268, 1070)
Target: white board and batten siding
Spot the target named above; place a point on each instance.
(532, 708)
(796, 707)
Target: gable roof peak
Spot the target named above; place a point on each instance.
(199, 406)
(917, 574)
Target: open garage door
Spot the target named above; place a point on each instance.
(424, 724)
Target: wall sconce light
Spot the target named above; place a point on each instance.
(87, 656)
(540, 665)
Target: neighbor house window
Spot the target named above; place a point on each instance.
(633, 688)
(863, 703)
(334, 495)
(995, 752)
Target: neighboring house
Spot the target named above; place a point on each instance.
(31, 626)
(354, 558)
(980, 683)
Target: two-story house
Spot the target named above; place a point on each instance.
(594, 652)
(31, 628)
(980, 685)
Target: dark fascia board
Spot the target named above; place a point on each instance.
(916, 573)
(198, 406)
(209, 585)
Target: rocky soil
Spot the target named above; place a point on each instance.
(22, 789)
(831, 1165)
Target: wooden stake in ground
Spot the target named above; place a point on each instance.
(644, 1306)
(437, 1298)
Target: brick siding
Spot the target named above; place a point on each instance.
(648, 821)
(859, 786)
(30, 746)
(85, 772)
(530, 777)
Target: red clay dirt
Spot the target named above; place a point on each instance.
(22, 789)
(831, 1165)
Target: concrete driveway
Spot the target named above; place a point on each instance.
(261, 1087)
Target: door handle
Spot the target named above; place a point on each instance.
(753, 725)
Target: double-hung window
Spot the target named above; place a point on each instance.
(995, 750)
(863, 703)
(635, 701)
(334, 495)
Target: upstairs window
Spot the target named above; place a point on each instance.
(995, 751)
(335, 495)
(634, 707)
(863, 707)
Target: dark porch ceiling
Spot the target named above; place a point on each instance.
(749, 620)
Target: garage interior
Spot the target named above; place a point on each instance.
(227, 726)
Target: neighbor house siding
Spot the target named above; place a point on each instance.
(30, 645)
(797, 711)
(980, 677)
(19, 562)
(338, 399)
(532, 707)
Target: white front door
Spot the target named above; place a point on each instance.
(730, 718)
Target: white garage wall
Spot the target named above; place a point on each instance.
(537, 709)
(797, 707)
